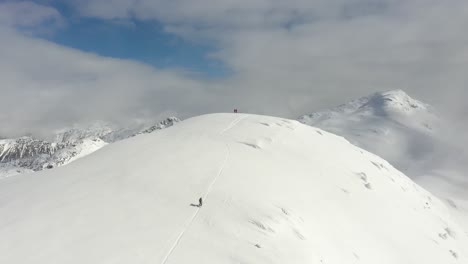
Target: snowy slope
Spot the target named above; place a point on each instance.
(274, 190)
(7, 170)
(410, 135)
(27, 154)
(391, 124)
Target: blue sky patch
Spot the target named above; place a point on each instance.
(144, 41)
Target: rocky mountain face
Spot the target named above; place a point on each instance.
(30, 154)
(168, 122)
(25, 147)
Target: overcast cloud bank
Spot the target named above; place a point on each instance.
(286, 59)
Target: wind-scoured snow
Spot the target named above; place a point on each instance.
(410, 135)
(275, 191)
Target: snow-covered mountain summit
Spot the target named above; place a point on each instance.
(274, 191)
(410, 135)
(392, 106)
(384, 103)
(27, 154)
(391, 124)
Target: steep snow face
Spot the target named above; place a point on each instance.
(27, 154)
(410, 135)
(274, 191)
(392, 125)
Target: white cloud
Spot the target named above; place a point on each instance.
(30, 17)
(287, 58)
(314, 47)
(46, 86)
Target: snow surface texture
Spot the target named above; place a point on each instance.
(274, 191)
(410, 135)
(28, 154)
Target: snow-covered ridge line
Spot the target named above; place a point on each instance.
(30, 154)
(409, 134)
(274, 191)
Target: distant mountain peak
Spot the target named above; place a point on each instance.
(393, 104)
(170, 121)
(394, 100)
(27, 153)
(390, 124)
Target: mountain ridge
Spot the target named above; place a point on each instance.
(30, 154)
(408, 133)
(275, 191)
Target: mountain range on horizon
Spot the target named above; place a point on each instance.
(233, 132)
(29, 154)
(405, 131)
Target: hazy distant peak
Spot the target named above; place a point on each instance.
(27, 153)
(394, 100)
(170, 121)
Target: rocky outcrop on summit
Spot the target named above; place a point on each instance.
(170, 121)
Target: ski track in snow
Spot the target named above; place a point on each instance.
(194, 216)
(233, 124)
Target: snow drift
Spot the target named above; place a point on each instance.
(274, 191)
